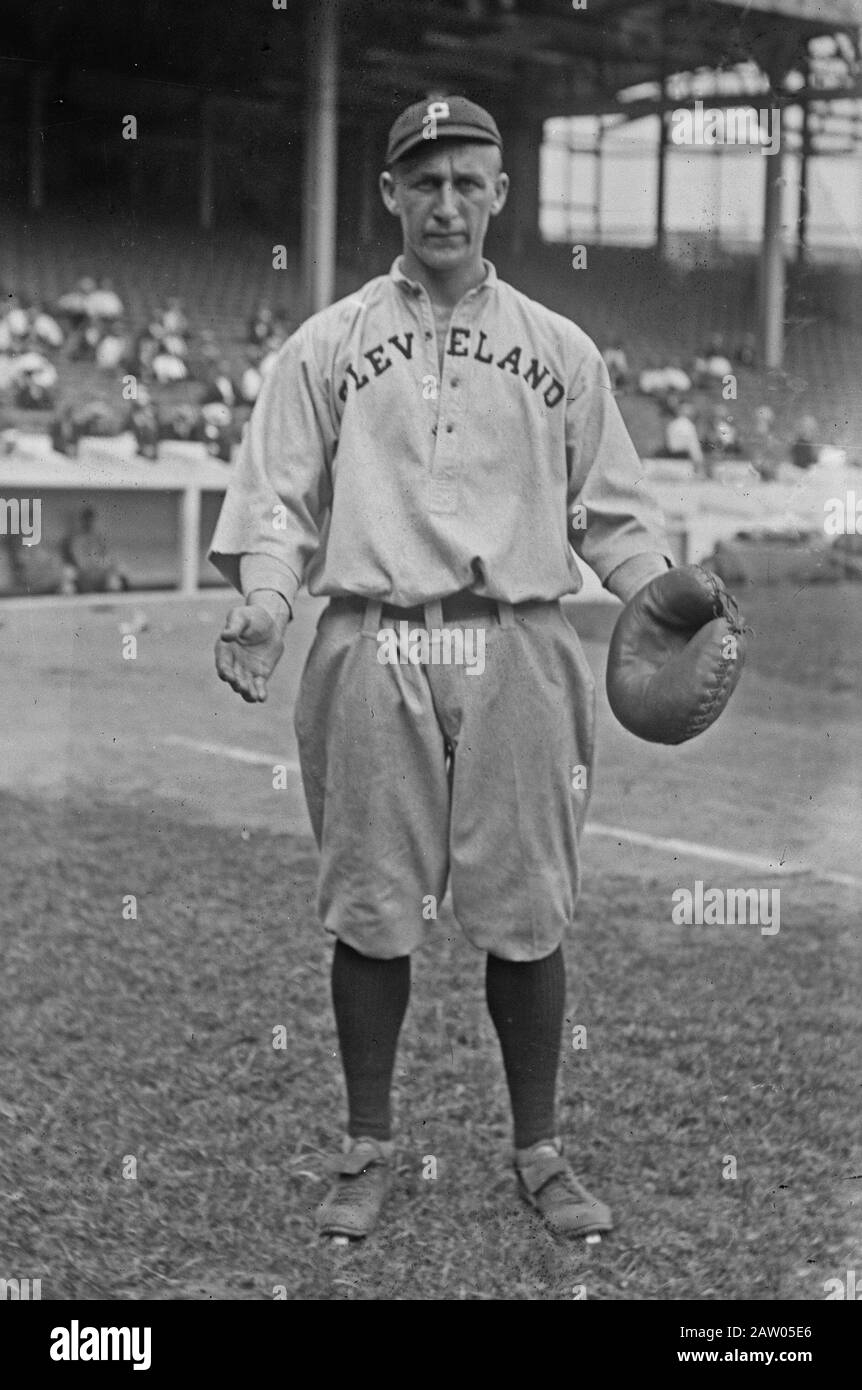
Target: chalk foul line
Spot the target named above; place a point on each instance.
(688, 848)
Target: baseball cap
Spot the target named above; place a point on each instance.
(447, 119)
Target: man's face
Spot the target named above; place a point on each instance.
(444, 198)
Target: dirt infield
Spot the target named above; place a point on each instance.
(151, 1037)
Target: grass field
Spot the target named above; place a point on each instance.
(151, 1039)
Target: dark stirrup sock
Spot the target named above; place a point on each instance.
(370, 1000)
(526, 1000)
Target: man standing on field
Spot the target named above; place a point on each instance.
(434, 450)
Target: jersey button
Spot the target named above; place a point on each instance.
(454, 381)
(449, 429)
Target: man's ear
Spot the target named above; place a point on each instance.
(501, 190)
(387, 192)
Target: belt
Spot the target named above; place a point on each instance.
(452, 609)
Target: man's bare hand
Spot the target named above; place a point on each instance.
(248, 650)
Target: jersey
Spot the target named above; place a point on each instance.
(369, 469)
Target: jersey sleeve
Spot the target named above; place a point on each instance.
(612, 513)
(281, 490)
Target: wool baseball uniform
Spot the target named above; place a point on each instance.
(462, 494)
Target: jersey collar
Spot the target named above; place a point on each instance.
(413, 287)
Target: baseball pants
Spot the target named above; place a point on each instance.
(421, 774)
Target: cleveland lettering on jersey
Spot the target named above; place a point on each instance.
(524, 428)
(461, 342)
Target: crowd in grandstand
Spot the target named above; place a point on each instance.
(29, 337)
(89, 324)
(699, 425)
(164, 356)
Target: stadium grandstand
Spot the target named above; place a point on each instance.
(203, 162)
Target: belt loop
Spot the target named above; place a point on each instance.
(371, 618)
(434, 614)
(506, 614)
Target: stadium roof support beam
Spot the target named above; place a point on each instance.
(523, 133)
(661, 179)
(35, 142)
(207, 167)
(368, 195)
(772, 266)
(320, 171)
(804, 178)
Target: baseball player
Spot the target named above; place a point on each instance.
(432, 453)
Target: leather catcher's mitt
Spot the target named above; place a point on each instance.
(675, 656)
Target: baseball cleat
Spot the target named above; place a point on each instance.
(363, 1178)
(548, 1185)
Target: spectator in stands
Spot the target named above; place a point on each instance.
(763, 444)
(143, 421)
(82, 341)
(677, 379)
(745, 352)
(617, 364)
(261, 326)
(681, 437)
(663, 382)
(205, 357)
(219, 430)
(91, 311)
(14, 326)
(267, 362)
(86, 552)
(251, 379)
(45, 329)
(155, 327)
(94, 418)
(105, 306)
(714, 346)
(804, 452)
(34, 381)
(221, 387)
(713, 363)
(64, 431)
(144, 354)
(113, 348)
(281, 327)
(73, 307)
(167, 366)
(7, 371)
(33, 569)
(721, 437)
(188, 421)
(176, 345)
(174, 320)
(184, 422)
